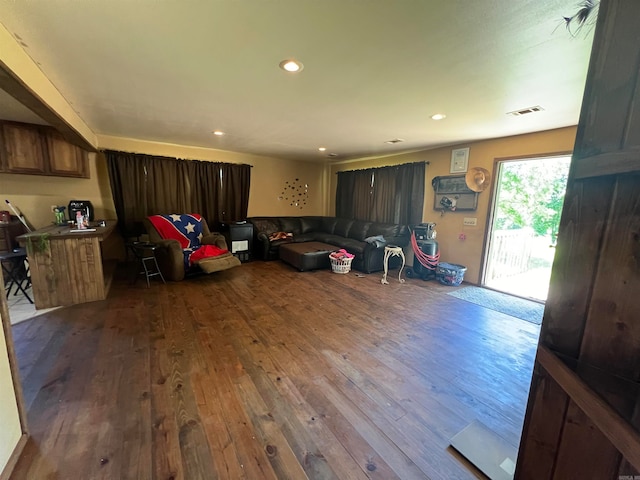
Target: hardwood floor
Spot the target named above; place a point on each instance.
(265, 372)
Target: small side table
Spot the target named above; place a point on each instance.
(145, 253)
(392, 251)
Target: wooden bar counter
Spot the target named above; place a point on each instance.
(69, 270)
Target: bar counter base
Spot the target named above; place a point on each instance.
(70, 270)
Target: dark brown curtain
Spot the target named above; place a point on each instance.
(205, 190)
(234, 193)
(144, 185)
(344, 194)
(384, 195)
(354, 195)
(393, 194)
(410, 193)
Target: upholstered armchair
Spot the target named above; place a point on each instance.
(187, 246)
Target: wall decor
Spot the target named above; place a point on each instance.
(296, 193)
(451, 193)
(459, 160)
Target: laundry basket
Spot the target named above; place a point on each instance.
(340, 265)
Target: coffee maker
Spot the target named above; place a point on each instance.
(82, 206)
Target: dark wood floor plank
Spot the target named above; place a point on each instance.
(327, 417)
(166, 453)
(296, 341)
(316, 448)
(265, 372)
(250, 454)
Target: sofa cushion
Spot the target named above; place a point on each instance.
(342, 227)
(306, 237)
(291, 225)
(329, 238)
(353, 246)
(359, 229)
(277, 243)
(328, 224)
(265, 225)
(310, 224)
(387, 230)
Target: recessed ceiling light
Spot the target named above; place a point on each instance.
(438, 116)
(322, 149)
(218, 133)
(292, 66)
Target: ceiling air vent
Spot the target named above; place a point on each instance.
(395, 140)
(332, 155)
(524, 111)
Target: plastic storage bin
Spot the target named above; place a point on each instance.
(450, 273)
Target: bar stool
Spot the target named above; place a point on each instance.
(16, 269)
(145, 253)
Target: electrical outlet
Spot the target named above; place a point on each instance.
(470, 221)
(53, 208)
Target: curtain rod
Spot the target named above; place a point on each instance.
(426, 162)
(161, 157)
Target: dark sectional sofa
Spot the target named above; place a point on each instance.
(340, 232)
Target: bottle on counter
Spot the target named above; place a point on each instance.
(80, 221)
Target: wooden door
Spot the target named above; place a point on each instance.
(22, 149)
(583, 414)
(65, 159)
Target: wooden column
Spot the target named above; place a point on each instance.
(583, 414)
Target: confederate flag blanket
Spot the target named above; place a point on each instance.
(186, 229)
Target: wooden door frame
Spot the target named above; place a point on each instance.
(5, 473)
(493, 199)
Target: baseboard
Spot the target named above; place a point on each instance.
(13, 459)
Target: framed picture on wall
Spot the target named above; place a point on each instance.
(459, 160)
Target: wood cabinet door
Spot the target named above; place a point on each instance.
(22, 149)
(64, 158)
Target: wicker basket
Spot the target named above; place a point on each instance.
(340, 265)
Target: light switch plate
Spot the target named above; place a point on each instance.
(470, 221)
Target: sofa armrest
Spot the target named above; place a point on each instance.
(401, 241)
(170, 259)
(216, 239)
(262, 245)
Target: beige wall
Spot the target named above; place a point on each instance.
(34, 195)
(449, 226)
(10, 430)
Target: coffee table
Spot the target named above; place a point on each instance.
(307, 255)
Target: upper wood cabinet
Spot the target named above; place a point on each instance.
(38, 150)
(65, 159)
(22, 152)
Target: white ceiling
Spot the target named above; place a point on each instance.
(374, 70)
